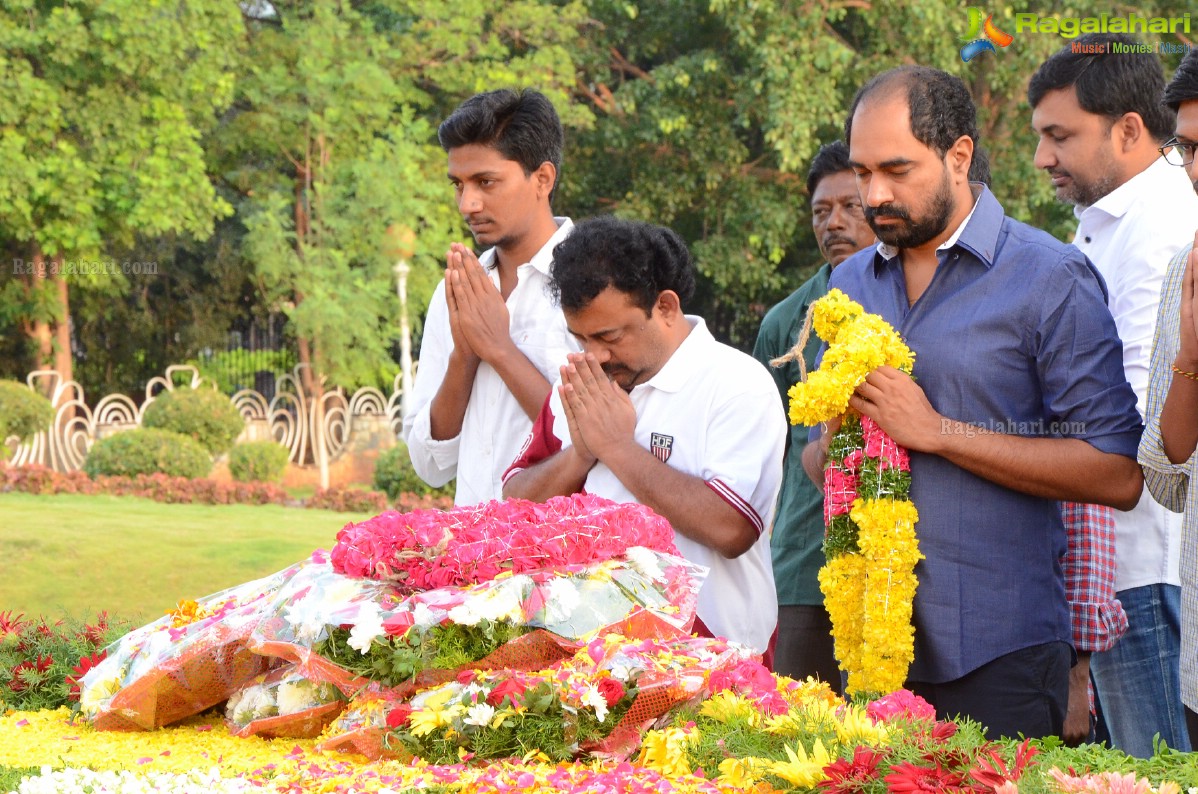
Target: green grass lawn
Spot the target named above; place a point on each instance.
(77, 555)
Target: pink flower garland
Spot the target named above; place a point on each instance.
(428, 549)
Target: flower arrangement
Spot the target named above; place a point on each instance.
(595, 702)
(427, 549)
(869, 579)
(282, 703)
(366, 618)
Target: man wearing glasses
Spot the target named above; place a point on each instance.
(1102, 127)
(1167, 449)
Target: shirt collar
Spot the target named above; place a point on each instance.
(978, 233)
(690, 356)
(542, 260)
(1156, 178)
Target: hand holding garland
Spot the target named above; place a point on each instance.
(1054, 468)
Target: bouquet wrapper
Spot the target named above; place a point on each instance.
(660, 689)
(181, 664)
(282, 704)
(656, 598)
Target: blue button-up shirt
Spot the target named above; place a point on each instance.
(1013, 335)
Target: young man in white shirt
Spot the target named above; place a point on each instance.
(656, 411)
(1101, 123)
(492, 336)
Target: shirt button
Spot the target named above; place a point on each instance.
(1087, 239)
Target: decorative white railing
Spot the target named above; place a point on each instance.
(288, 418)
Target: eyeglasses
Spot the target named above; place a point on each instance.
(1177, 153)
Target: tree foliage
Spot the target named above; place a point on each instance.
(133, 130)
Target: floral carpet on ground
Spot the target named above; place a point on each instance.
(496, 648)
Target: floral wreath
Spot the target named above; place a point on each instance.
(869, 579)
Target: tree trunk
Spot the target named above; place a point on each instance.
(40, 329)
(311, 382)
(63, 360)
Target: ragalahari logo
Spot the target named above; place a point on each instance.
(982, 36)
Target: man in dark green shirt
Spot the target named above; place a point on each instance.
(804, 630)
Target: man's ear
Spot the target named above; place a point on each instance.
(669, 305)
(959, 156)
(545, 177)
(1128, 131)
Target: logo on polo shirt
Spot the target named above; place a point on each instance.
(660, 445)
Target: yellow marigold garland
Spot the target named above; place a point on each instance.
(869, 579)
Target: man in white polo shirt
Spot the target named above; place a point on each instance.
(656, 411)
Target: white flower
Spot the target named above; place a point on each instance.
(297, 695)
(464, 614)
(473, 689)
(307, 620)
(561, 599)
(645, 562)
(479, 714)
(423, 616)
(596, 701)
(368, 626)
(78, 781)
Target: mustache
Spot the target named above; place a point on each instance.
(834, 239)
(887, 211)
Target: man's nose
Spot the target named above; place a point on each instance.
(878, 193)
(469, 200)
(1044, 158)
(598, 350)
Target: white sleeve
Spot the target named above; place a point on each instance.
(745, 445)
(1134, 303)
(435, 461)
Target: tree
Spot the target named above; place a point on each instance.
(331, 143)
(101, 111)
(709, 112)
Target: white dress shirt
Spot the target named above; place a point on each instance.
(495, 426)
(1130, 234)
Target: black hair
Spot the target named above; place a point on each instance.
(832, 158)
(520, 125)
(638, 259)
(1108, 85)
(940, 106)
(1184, 85)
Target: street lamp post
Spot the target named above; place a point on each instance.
(401, 243)
(405, 335)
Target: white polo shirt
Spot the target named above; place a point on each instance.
(495, 425)
(711, 412)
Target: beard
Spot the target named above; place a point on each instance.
(1083, 194)
(913, 232)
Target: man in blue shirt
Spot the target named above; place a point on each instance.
(1018, 400)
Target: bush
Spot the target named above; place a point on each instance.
(23, 412)
(147, 451)
(159, 487)
(204, 414)
(258, 461)
(394, 475)
(41, 662)
(347, 500)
